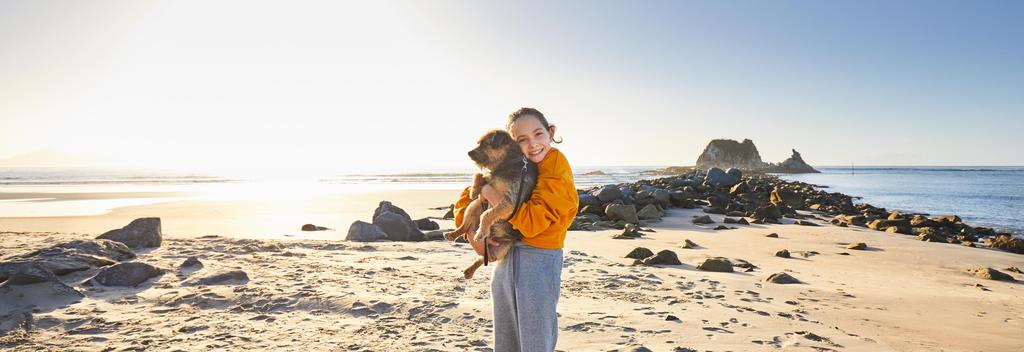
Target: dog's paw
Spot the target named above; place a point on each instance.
(451, 236)
(468, 273)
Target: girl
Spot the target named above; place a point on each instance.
(526, 284)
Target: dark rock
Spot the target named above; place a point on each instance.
(125, 274)
(770, 211)
(785, 197)
(629, 231)
(805, 223)
(69, 257)
(716, 264)
(396, 223)
(1007, 243)
(639, 253)
(311, 227)
(782, 278)
(142, 232)
(361, 231)
(782, 254)
(608, 193)
(992, 274)
(229, 277)
(729, 220)
(387, 207)
(664, 257)
(718, 178)
(622, 212)
(671, 317)
(450, 214)
(703, 220)
(860, 246)
(190, 262)
(772, 235)
(649, 212)
(32, 286)
(723, 227)
(734, 172)
(689, 244)
(426, 224)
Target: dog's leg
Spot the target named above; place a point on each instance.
(478, 184)
(501, 211)
(470, 220)
(468, 273)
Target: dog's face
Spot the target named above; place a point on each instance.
(495, 147)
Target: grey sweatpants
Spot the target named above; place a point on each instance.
(525, 288)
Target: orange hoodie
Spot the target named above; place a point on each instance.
(545, 217)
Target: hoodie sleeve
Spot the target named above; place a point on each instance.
(460, 206)
(553, 200)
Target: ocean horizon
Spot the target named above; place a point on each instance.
(988, 196)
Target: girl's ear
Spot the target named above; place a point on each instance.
(551, 130)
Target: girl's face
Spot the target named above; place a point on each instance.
(533, 139)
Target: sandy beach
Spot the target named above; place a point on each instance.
(898, 295)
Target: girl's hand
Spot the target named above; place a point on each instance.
(491, 195)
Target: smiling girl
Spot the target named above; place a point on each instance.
(525, 285)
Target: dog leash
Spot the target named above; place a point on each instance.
(519, 199)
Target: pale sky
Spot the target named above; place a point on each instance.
(381, 85)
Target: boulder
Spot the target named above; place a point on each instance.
(1007, 243)
(311, 227)
(396, 223)
(361, 231)
(34, 287)
(622, 212)
(664, 257)
(226, 278)
(125, 274)
(718, 201)
(703, 220)
(629, 231)
(426, 224)
(718, 178)
(740, 188)
(782, 254)
(785, 197)
(191, 262)
(860, 246)
(782, 278)
(69, 257)
(639, 253)
(734, 172)
(689, 244)
(140, 233)
(608, 193)
(992, 274)
(772, 235)
(770, 211)
(716, 264)
(649, 212)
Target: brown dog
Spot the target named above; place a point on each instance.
(507, 171)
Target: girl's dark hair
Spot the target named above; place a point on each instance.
(515, 115)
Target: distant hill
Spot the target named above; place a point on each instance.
(726, 153)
